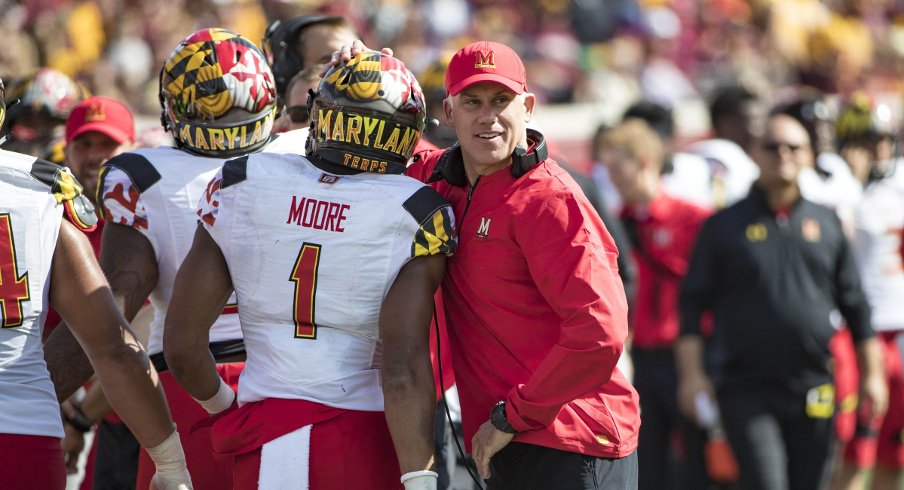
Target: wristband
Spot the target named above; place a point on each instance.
(420, 480)
(220, 401)
(79, 421)
(169, 459)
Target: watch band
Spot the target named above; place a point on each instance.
(79, 421)
(500, 420)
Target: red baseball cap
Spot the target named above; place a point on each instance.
(485, 61)
(104, 115)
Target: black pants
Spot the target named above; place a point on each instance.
(777, 445)
(527, 467)
(664, 468)
(116, 461)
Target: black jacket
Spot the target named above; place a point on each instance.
(772, 282)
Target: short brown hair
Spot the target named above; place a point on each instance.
(636, 139)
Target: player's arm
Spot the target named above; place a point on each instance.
(854, 306)
(408, 386)
(130, 266)
(67, 363)
(699, 291)
(81, 295)
(201, 290)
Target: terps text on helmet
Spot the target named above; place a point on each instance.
(371, 132)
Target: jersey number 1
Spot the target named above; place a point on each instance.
(304, 275)
(13, 288)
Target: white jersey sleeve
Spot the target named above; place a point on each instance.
(311, 256)
(155, 191)
(877, 246)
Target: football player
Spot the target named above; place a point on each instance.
(334, 259)
(218, 101)
(45, 260)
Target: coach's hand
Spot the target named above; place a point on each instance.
(347, 52)
(485, 444)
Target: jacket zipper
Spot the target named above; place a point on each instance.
(461, 222)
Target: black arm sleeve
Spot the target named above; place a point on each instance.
(698, 287)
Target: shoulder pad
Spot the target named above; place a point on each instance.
(436, 224)
(138, 168)
(424, 203)
(235, 171)
(67, 191)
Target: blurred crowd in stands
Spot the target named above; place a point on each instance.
(665, 51)
(834, 66)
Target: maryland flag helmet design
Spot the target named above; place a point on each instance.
(218, 95)
(368, 115)
(47, 92)
(864, 120)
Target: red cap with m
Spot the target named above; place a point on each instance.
(486, 61)
(102, 114)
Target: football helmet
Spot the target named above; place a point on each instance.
(368, 115)
(217, 94)
(864, 121)
(46, 92)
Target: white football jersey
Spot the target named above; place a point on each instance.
(877, 244)
(312, 255)
(156, 191)
(33, 194)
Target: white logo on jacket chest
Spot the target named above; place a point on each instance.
(483, 231)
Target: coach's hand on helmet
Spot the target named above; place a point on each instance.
(347, 52)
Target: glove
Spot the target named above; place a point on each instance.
(420, 480)
(172, 472)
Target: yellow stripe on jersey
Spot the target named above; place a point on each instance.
(66, 187)
(434, 236)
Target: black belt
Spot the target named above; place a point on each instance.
(219, 350)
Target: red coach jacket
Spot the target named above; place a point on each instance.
(542, 334)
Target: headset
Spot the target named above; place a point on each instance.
(278, 46)
(450, 166)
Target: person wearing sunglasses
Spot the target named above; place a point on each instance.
(773, 269)
(296, 114)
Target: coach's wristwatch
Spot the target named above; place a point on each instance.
(78, 420)
(499, 420)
